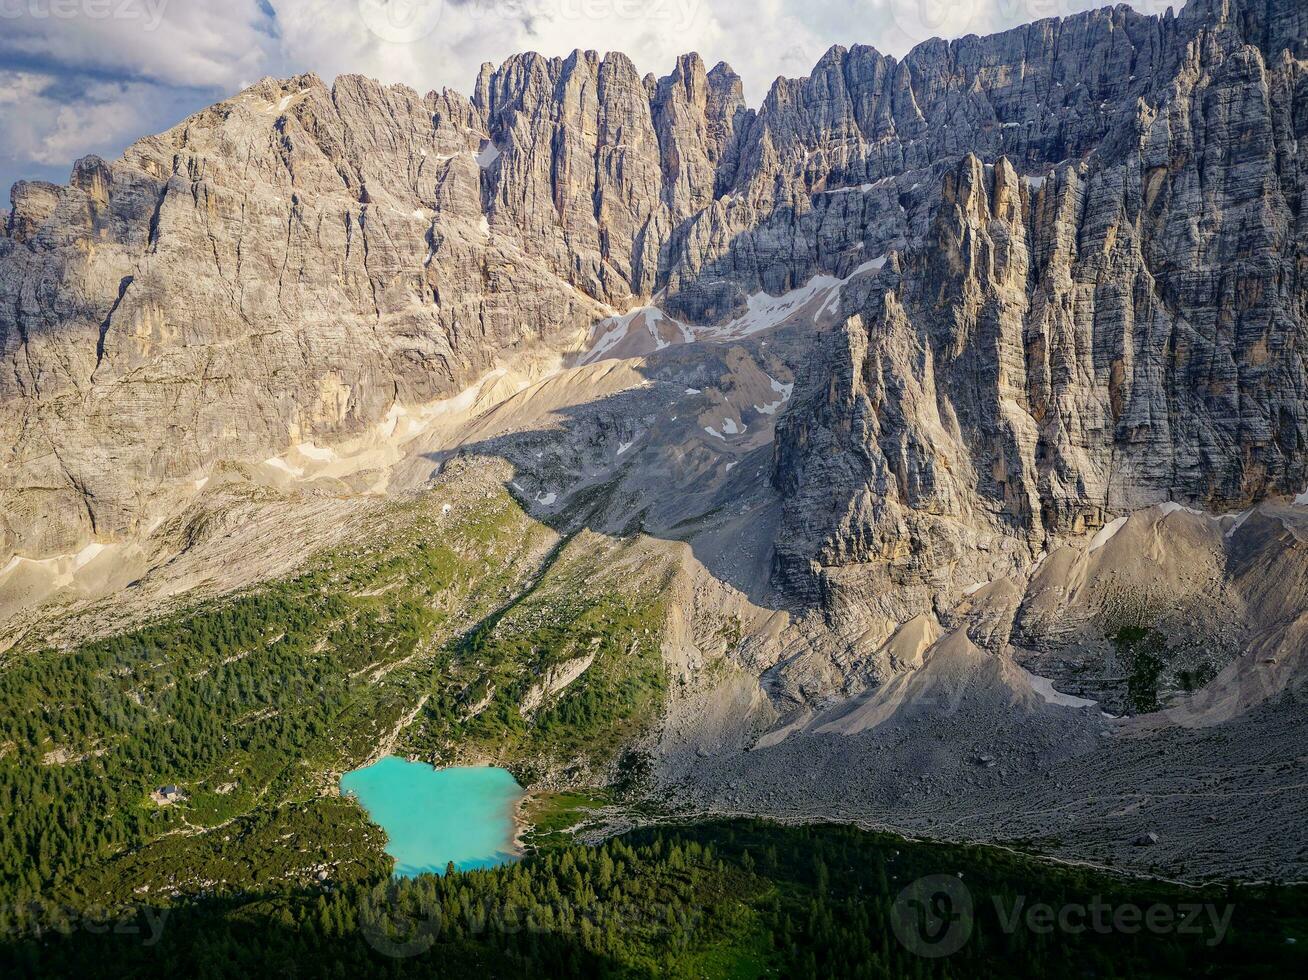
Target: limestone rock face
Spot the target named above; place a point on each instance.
(1082, 244)
(1121, 331)
(285, 266)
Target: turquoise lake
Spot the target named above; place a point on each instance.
(435, 816)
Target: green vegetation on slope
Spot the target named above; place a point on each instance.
(571, 669)
(253, 704)
(552, 816)
(731, 899)
(1143, 652)
(472, 634)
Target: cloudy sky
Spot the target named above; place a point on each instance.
(89, 76)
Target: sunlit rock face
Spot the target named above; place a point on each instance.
(1080, 245)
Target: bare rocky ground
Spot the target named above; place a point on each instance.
(1221, 802)
(913, 374)
(983, 716)
(974, 738)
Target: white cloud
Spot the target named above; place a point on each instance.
(45, 128)
(760, 39)
(93, 82)
(192, 43)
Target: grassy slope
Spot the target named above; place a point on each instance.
(255, 703)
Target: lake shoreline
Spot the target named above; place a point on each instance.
(521, 825)
(468, 816)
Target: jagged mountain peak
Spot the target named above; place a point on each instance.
(359, 246)
(797, 432)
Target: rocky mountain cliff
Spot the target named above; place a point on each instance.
(922, 448)
(1082, 248)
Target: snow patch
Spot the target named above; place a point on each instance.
(764, 311)
(871, 265)
(714, 433)
(974, 588)
(277, 463)
(319, 453)
(62, 565)
(487, 155)
(400, 424)
(783, 390)
(1044, 687)
(547, 499)
(1106, 533)
(87, 554)
(610, 339)
(611, 331)
(623, 447)
(286, 100)
(859, 189)
(1239, 521)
